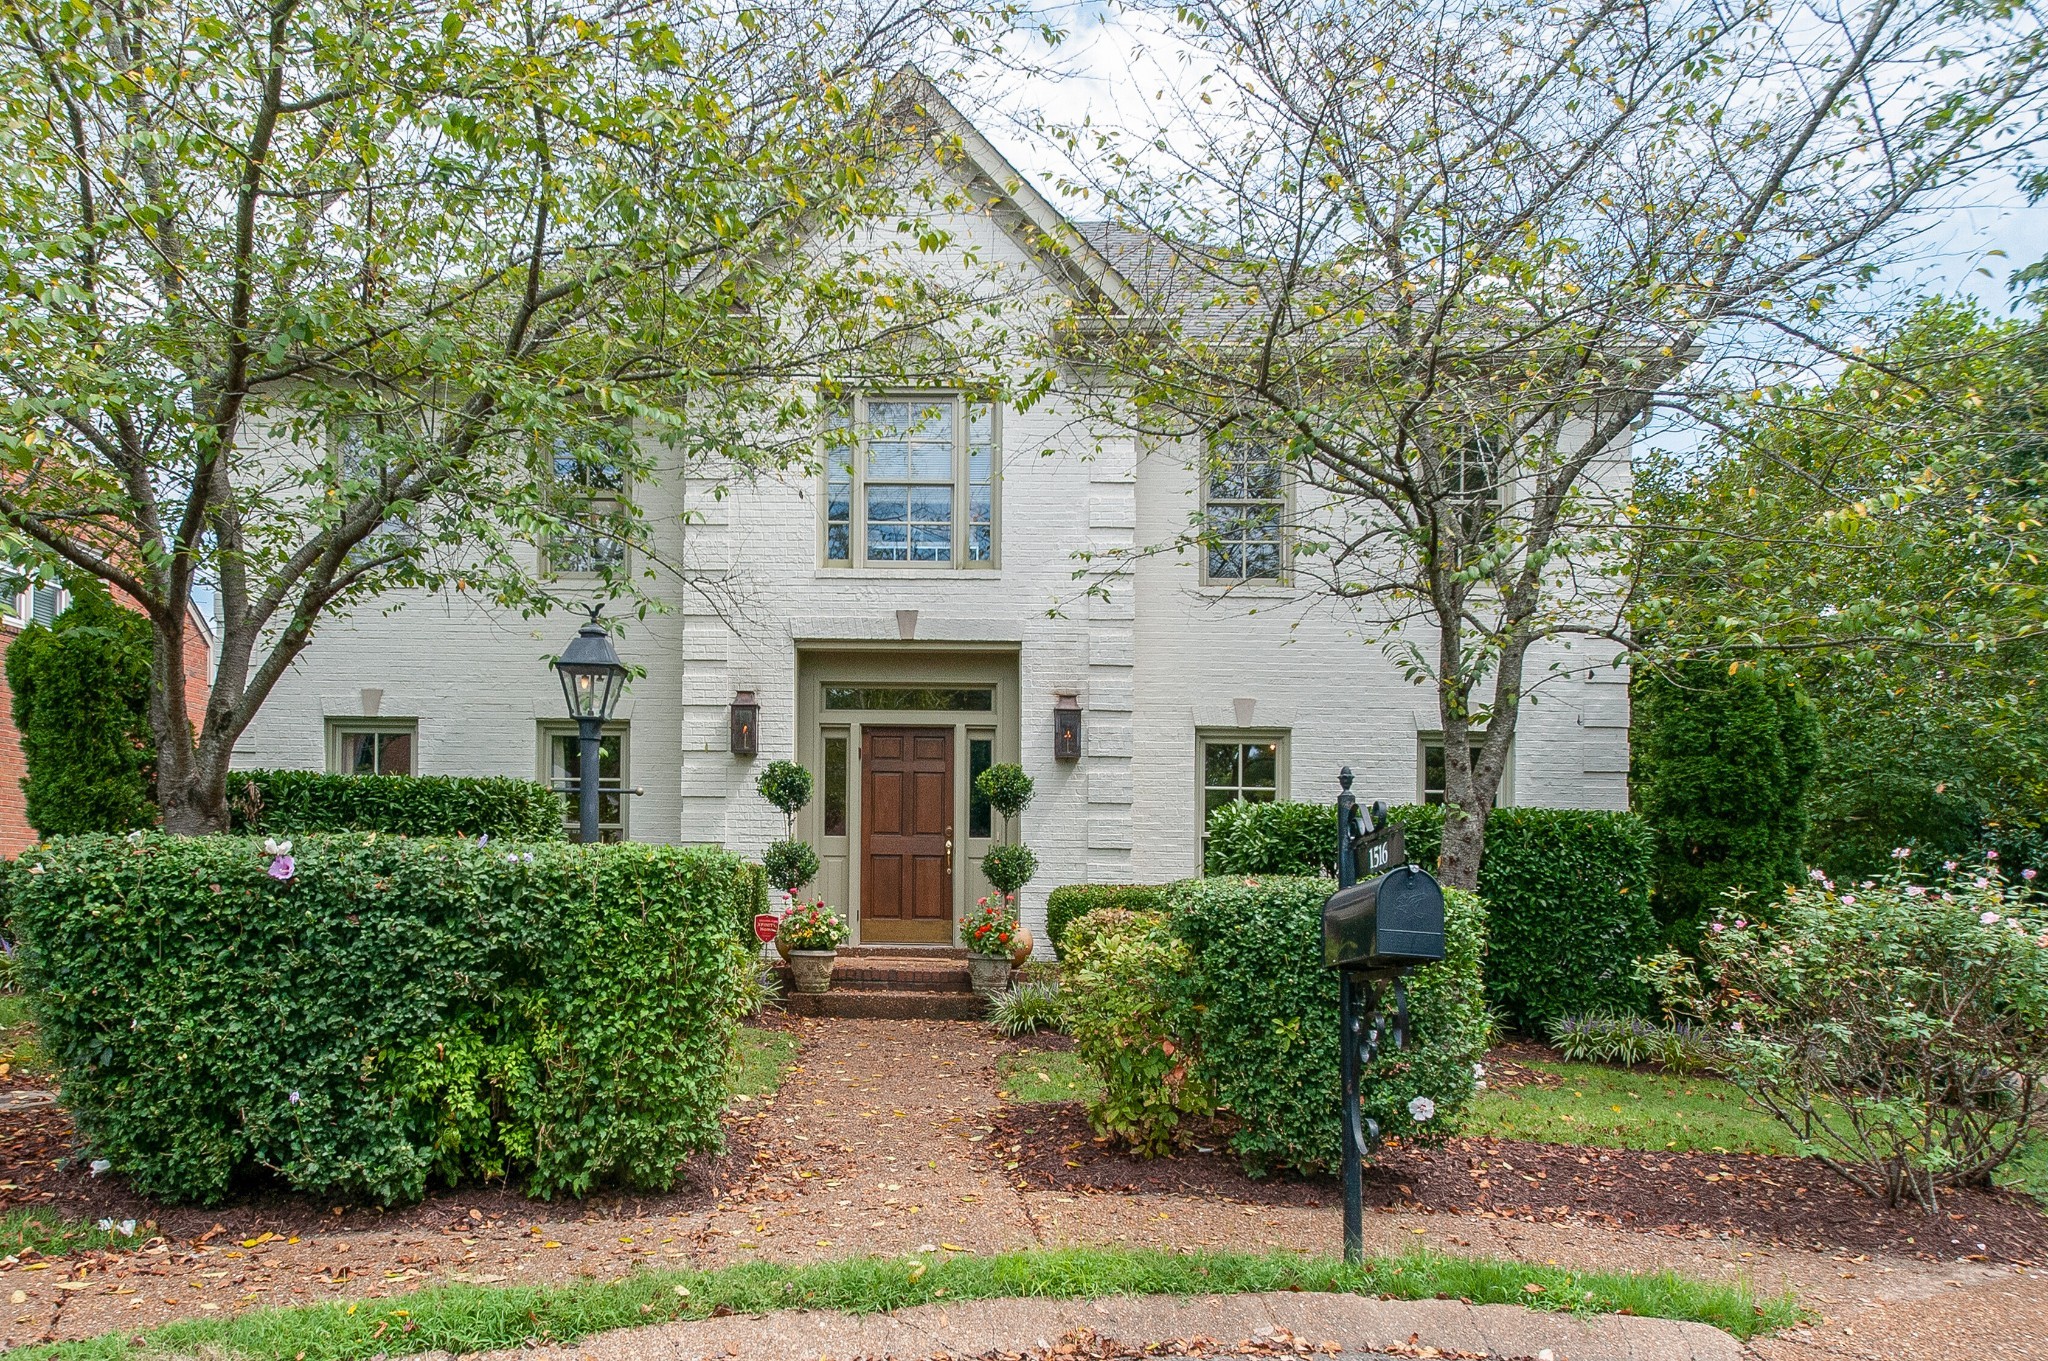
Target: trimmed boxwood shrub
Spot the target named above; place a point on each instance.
(1069, 902)
(369, 1012)
(291, 802)
(1261, 1010)
(1567, 892)
(1272, 838)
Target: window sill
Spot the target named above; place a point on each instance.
(1257, 590)
(914, 573)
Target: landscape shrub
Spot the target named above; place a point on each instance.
(362, 1013)
(292, 803)
(1675, 1046)
(1720, 769)
(1899, 1030)
(81, 704)
(1070, 901)
(1261, 1010)
(1272, 838)
(1025, 1008)
(1567, 893)
(1121, 985)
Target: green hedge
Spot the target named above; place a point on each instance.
(1567, 892)
(1272, 838)
(291, 802)
(1071, 901)
(396, 1010)
(1262, 1012)
(1122, 998)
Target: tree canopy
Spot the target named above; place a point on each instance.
(1433, 263)
(307, 300)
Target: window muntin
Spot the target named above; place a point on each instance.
(589, 482)
(359, 460)
(1244, 511)
(1238, 767)
(934, 698)
(1432, 776)
(564, 754)
(369, 748)
(910, 481)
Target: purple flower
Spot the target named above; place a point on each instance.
(282, 868)
(293, 1096)
(484, 840)
(2024, 874)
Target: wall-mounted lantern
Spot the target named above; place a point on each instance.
(746, 724)
(1066, 726)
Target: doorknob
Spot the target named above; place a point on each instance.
(949, 850)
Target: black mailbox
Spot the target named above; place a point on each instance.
(1386, 924)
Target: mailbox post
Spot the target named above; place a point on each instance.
(1374, 933)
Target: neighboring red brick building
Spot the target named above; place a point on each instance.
(42, 604)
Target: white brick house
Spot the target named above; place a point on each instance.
(1198, 675)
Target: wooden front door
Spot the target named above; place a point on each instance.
(906, 820)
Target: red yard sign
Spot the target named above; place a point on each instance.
(764, 927)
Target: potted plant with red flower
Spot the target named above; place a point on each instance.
(991, 934)
(813, 934)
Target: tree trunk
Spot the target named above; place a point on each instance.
(1457, 865)
(191, 772)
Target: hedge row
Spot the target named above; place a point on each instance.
(1070, 901)
(1222, 1002)
(291, 802)
(388, 1012)
(1567, 891)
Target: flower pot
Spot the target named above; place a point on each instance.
(1022, 945)
(782, 948)
(988, 973)
(812, 969)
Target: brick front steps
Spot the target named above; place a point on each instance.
(892, 983)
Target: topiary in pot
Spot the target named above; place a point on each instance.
(791, 864)
(1007, 788)
(1009, 868)
(787, 785)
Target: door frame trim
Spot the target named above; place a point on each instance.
(993, 665)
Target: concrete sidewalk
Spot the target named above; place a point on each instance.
(1354, 1325)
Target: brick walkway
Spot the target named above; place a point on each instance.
(870, 1148)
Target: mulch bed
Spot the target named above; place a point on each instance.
(1782, 1201)
(40, 1167)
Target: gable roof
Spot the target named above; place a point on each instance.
(1065, 251)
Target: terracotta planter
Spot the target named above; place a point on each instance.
(782, 948)
(812, 969)
(988, 973)
(1021, 946)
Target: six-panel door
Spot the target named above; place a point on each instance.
(906, 878)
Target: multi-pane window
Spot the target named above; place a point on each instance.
(565, 773)
(1472, 476)
(589, 481)
(911, 481)
(1238, 767)
(372, 748)
(359, 462)
(1244, 511)
(1434, 779)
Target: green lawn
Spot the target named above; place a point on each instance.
(19, 1045)
(765, 1056)
(1628, 1108)
(1047, 1075)
(469, 1318)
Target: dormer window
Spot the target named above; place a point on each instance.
(910, 481)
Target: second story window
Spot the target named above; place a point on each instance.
(589, 480)
(1244, 512)
(911, 481)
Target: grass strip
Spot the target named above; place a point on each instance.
(459, 1317)
(40, 1231)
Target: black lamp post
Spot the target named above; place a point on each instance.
(592, 679)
